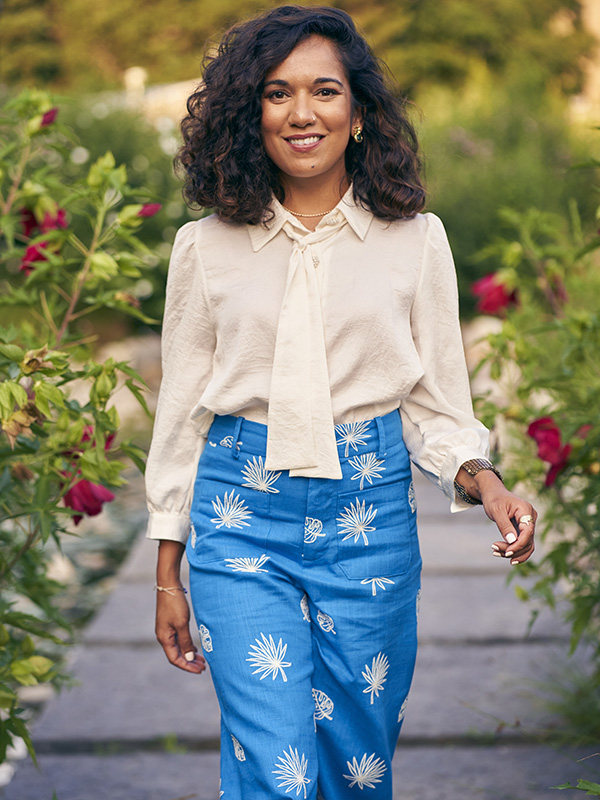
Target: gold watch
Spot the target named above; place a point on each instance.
(473, 466)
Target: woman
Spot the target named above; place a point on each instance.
(312, 305)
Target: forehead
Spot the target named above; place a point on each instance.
(315, 57)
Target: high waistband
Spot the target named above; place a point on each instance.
(377, 435)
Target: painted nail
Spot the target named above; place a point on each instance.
(510, 538)
(495, 547)
(498, 555)
(190, 656)
(509, 553)
(514, 561)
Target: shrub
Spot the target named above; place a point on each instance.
(65, 252)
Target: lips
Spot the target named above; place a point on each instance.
(304, 143)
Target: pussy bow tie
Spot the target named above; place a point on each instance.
(300, 396)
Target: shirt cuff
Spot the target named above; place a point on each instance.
(452, 464)
(168, 526)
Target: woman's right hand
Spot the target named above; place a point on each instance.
(173, 613)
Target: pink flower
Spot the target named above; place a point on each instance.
(149, 210)
(87, 498)
(493, 296)
(49, 117)
(546, 433)
(53, 221)
(29, 222)
(34, 254)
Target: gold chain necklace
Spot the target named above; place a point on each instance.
(297, 213)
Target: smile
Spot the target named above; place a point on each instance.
(302, 143)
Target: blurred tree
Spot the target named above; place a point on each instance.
(78, 44)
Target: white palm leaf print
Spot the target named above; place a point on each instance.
(367, 773)
(231, 511)
(248, 564)
(305, 609)
(258, 477)
(291, 771)
(352, 434)
(205, 638)
(227, 441)
(355, 521)
(268, 657)
(238, 749)
(375, 582)
(375, 675)
(367, 467)
(193, 536)
(412, 497)
(313, 528)
(402, 712)
(323, 705)
(326, 622)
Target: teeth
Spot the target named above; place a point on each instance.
(307, 140)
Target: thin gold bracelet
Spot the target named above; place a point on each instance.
(170, 589)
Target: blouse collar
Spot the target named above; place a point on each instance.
(356, 216)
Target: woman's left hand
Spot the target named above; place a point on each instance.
(514, 516)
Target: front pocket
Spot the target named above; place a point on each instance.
(229, 521)
(376, 530)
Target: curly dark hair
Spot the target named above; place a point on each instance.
(225, 164)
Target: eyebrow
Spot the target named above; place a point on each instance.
(279, 82)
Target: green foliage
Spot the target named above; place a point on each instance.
(496, 146)
(78, 44)
(546, 356)
(589, 787)
(66, 250)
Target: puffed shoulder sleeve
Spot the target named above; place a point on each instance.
(440, 430)
(187, 346)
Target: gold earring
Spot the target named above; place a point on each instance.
(357, 134)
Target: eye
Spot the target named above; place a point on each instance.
(327, 91)
(276, 94)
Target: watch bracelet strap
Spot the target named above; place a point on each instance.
(473, 466)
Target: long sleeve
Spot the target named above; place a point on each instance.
(440, 430)
(188, 343)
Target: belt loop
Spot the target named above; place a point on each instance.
(381, 434)
(235, 450)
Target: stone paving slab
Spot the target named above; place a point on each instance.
(517, 772)
(459, 690)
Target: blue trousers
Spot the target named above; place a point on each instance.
(305, 593)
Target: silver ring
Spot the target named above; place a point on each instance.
(526, 520)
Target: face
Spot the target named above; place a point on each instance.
(307, 115)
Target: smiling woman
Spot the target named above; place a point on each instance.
(311, 350)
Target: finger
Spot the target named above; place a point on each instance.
(187, 646)
(176, 656)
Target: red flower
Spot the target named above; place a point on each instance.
(88, 498)
(53, 221)
(34, 254)
(149, 210)
(49, 117)
(493, 297)
(546, 433)
(29, 222)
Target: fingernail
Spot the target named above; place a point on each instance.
(190, 656)
(514, 561)
(510, 538)
(509, 553)
(498, 555)
(495, 547)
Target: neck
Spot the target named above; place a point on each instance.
(314, 198)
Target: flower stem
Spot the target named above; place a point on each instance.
(12, 192)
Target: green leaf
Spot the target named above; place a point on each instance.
(29, 623)
(135, 391)
(12, 351)
(136, 454)
(103, 266)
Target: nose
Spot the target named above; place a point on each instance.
(301, 112)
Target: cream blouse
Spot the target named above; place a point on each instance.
(377, 301)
